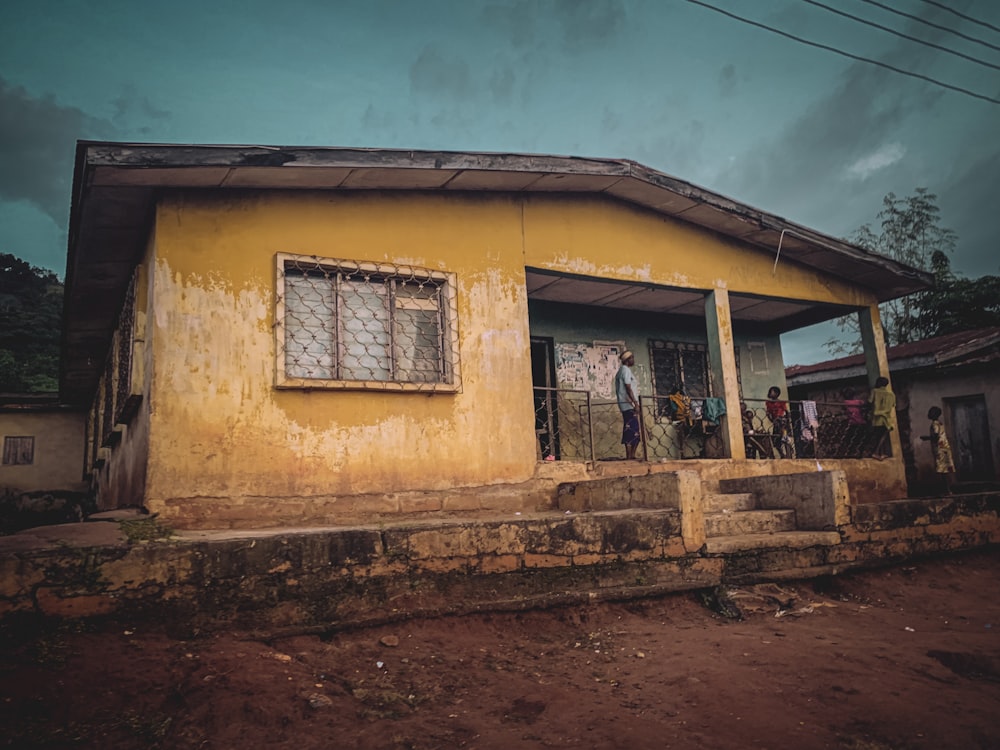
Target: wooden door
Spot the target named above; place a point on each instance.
(970, 439)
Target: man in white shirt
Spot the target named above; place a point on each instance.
(627, 392)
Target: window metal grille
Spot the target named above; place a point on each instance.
(126, 332)
(107, 403)
(18, 450)
(365, 325)
(678, 365)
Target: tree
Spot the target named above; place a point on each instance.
(957, 303)
(30, 325)
(912, 235)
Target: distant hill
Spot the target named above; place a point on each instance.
(31, 302)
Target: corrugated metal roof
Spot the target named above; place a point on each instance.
(932, 351)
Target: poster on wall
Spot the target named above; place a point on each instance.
(589, 367)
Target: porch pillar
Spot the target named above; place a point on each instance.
(722, 356)
(877, 361)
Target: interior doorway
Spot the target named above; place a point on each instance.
(543, 380)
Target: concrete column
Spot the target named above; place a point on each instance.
(722, 356)
(877, 363)
(873, 341)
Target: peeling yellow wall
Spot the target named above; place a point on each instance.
(591, 236)
(219, 427)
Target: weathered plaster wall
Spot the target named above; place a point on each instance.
(222, 431)
(59, 437)
(593, 237)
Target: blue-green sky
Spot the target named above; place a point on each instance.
(791, 129)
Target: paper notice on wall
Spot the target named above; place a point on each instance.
(589, 367)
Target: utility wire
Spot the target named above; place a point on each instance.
(866, 22)
(846, 54)
(924, 21)
(942, 6)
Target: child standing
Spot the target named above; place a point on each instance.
(883, 404)
(944, 464)
(777, 412)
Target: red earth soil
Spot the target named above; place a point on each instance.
(894, 658)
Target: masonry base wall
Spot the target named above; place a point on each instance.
(333, 578)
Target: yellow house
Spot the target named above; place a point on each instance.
(285, 336)
(40, 441)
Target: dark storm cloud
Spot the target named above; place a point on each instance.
(727, 80)
(586, 22)
(37, 139)
(133, 111)
(968, 206)
(432, 73)
(581, 23)
(856, 119)
(502, 84)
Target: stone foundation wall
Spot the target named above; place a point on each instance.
(323, 579)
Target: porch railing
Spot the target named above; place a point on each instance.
(808, 429)
(571, 426)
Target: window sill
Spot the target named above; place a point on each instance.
(310, 384)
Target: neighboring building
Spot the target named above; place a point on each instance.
(41, 443)
(268, 335)
(958, 372)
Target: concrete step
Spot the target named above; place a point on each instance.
(749, 522)
(726, 545)
(718, 502)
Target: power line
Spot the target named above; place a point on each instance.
(924, 21)
(841, 52)
(942, 6)
(866, 22)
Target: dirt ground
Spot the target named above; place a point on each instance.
(902, 657)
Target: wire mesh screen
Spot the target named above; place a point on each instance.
(562, 424)
(366, 322)
(674, 437)
(806, 429)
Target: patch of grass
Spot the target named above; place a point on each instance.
(145, 529)
(383, 703)
(50, 649)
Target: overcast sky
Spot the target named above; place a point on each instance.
(795, 130)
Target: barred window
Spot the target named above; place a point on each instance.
(18, 450)
(348, 324)
(678, 365)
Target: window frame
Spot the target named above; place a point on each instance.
(446, 281)
(680, 348)
(17, 446)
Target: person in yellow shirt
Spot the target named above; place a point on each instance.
(883, 405)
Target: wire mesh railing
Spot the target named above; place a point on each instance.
(571, 426)
(563, 424)
(807, 429)
(676, 434)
